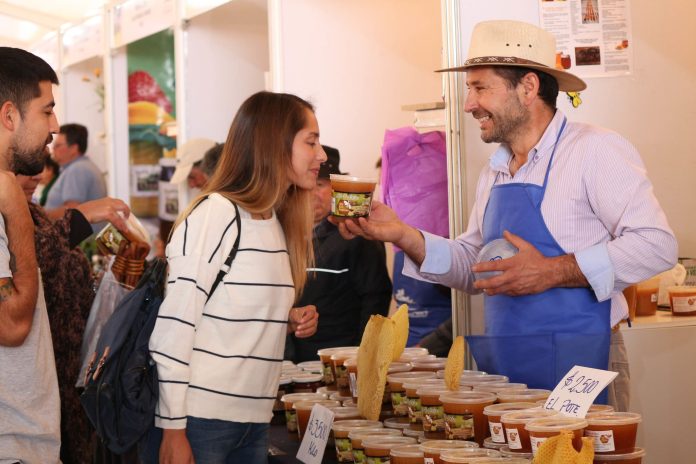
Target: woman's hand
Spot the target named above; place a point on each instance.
(303, 321)
(175, 447)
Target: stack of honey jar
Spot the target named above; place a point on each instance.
(488, 419)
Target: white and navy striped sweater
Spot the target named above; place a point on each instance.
(222, 360)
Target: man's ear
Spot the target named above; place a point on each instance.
(9, 116)
(530, 86)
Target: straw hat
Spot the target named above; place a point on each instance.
(189, 154)
(515, 43)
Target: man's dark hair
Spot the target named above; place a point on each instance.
(210, 159)
(51, 164)
(20, 74)
(75, 134)
(548, 85)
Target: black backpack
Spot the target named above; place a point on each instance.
(121, 389)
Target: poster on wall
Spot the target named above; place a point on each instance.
(151, 110)
(593, 37)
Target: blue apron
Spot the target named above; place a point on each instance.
(536, 339)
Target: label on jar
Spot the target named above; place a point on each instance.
(684, 304)
(353, 380)
(603, 440)
(497, 432)
(344, 452)
(342, 377)
(399, 404)
(351, 204)
(291, 420)
(378, 459)
(513, 438)
(653, 298)
(415, 409)
(358, 456)
(459, 426)
(430, 415)
(428, 461)
(328, 374)
(536, 443)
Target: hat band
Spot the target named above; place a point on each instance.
(501, 60)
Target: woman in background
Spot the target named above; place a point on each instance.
(219, 356)
(46, 180)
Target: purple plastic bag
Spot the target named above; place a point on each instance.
(414, 178)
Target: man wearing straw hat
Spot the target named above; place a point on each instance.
(573, 198)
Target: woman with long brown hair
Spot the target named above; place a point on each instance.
(219, 361)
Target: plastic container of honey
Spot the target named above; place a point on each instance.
(433, 413)
(432, 449)
(464, 418)
(490, 444)
(398, 394)
(406, 454)
(313, 367)
(307, 383)
(682, 300)
(378, 450)
(516, 435)
(613, 432)
(413, 399)
(325, 357)
(634, 457)
(646, 297)
(427, 364)
(341, 371)
(341, 430)
(495, 411)
(351, 365)
(542, 429)
(290, 413)
(531, 395)
(304, 410)
(357, 436)
(466, 455)
(351, 196)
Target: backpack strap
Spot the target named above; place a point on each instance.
(233, 252)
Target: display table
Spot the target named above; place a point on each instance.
(661, 351)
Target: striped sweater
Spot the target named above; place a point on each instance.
(222, 359)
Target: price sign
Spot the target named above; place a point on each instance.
(317, 434)
(578, 389)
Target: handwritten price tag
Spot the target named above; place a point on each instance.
(317, 434)
(578, 389)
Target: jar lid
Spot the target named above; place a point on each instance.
(415, 351)
(351, 362)
(464, 455)
(284, 380)
(345, 412)
(287, 363)
(594, 407)
(524, 416)
(505, 451)
(433, 390)
(330, 351)
(403, 376)
(407, 451)
(521, 395)
(396, 367)
(490, 444)
(428, 363)
(355, 424)
(369, 432)
(324, 391)
(311, 366)
(553, 424)
(338, 397)
(387, 442)
(417, 434)
(415, 383)
(465, 373)
(437, 446)
(292, 397)
(613, 418)
(401, 422)
(309, 404)
(468, 397)
(476, 379)
(501, 408)
(495, 387)
(346, 178)
(344, 354)
(637, 453)
(307, 378)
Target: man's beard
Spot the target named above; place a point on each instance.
(508, 124)
(27, 162)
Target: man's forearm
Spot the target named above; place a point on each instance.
(565, 272)
(19, 293)
(413, 244)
